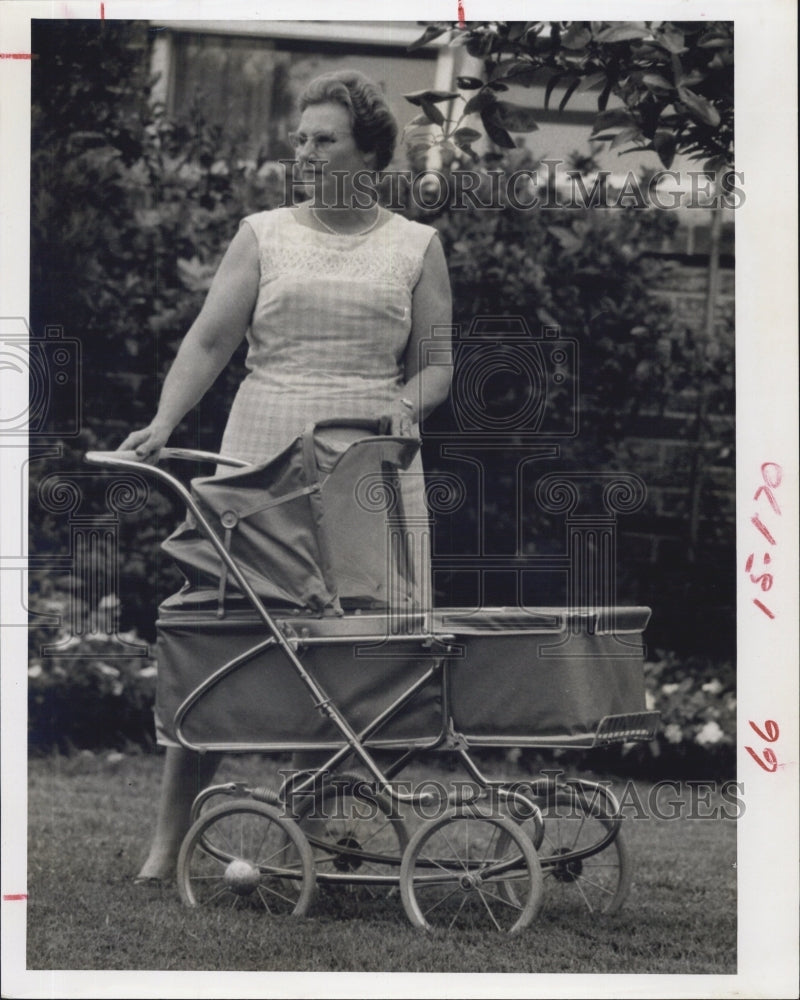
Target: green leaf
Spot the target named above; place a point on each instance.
(566, 238)
(699, 107)
(613, 118)
(514, 117)
(468, 83)
(622, 33)
(480, 101)
(466, 135)
(521, 74)
(458, 37)
(654, 81)
(568, 93)
(497, 133)
(714, 41)
(430, 96)
(577, 36)
(624, 136)
(417, 120)
(716, 164)
(551, 85)
(665, 144)
(428, 35)
(432, 112)
(546, 317)
(671, 39)
(592, 80)
(721, 60)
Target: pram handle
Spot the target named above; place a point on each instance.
(127, 458)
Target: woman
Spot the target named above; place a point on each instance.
(336, 298)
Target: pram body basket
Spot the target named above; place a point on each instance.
(497, 677)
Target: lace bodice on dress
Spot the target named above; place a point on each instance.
(331, 304)
(329, 329)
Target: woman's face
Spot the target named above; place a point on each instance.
(324, 144)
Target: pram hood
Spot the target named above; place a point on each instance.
(316, 527)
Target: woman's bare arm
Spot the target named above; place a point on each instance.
(209, 344)
(428, 359)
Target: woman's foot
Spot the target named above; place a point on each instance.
(151, 881)
(185, 773)
(159, 867)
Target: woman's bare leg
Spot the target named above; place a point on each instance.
(185, 774)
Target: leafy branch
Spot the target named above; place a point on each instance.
(672, 82)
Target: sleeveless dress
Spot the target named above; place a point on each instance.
(327, 338)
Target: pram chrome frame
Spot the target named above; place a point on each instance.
(596, 800)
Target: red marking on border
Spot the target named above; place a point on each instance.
(763, 607)
(102, 12)
(756, 520)
(14, 897)
(16, 55)
(461, 22)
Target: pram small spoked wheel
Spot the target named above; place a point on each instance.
(245, 853)
(357, 837)
(467, 871)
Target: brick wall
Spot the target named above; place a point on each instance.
(671, 450)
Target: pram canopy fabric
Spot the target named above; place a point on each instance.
(314, 528)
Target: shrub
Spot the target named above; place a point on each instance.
(87, 691)
(697, 701)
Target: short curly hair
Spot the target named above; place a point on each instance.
(374, 125)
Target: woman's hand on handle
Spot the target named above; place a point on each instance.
(402, 419)
(146, 442)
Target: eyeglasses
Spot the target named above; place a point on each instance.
(319, 140)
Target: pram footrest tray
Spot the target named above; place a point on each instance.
(498, 677)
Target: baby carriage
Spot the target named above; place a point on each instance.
(296, 636)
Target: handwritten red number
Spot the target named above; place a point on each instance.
(772, 731)
(769, 757)
(756, 520)
(771, 482)
(772, 474)
(770, 736)
(770, 497)
(766, 476)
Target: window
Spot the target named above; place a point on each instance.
(248, 81)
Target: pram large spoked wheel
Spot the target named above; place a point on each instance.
(464, 870)
(596, 880)
(582, 848)
(245, 853)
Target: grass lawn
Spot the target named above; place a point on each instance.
(88, 825)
